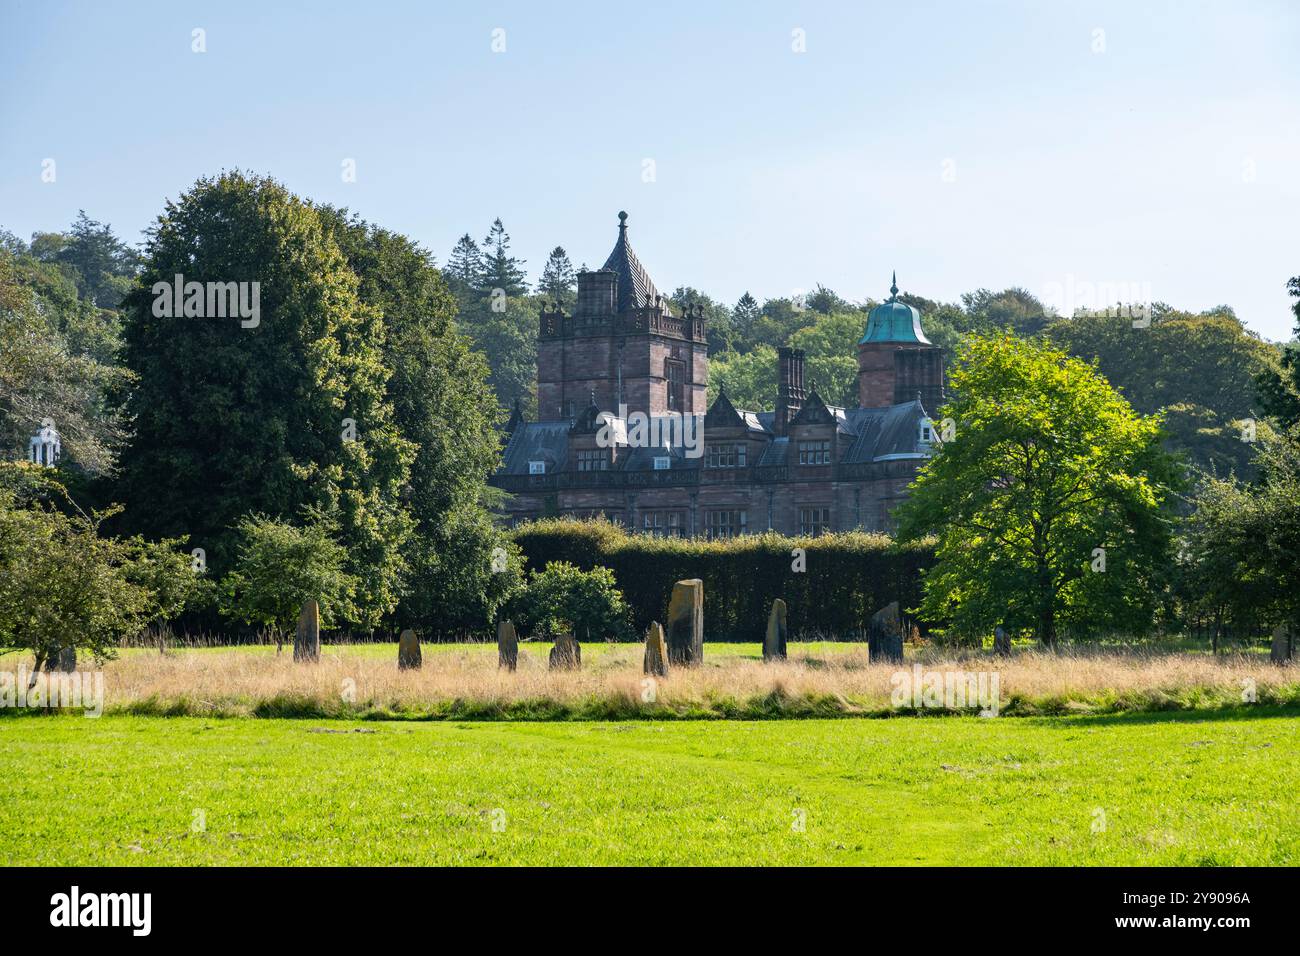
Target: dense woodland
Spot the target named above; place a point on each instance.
(181, 435)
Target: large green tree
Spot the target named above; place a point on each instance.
(289, 413)
(444, 405)
(1198, 370)
(1047, 500)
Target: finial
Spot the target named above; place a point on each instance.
(622, 221)
(893, 288)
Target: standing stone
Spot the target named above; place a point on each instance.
(686, 623)
(1280, 653)
(885, 635)
(306, 641)
(507, 645)
(1001, 641)
(774, 640)
(408, 651)
(656, 651)
(566, 655)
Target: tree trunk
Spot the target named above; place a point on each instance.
(1047, 627)
(36, 669)
(1046, 605)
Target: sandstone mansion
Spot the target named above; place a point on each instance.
(803, 467)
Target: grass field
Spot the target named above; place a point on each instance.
(1182, 788)
(826, 679)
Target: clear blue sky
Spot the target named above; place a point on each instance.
(963, 144)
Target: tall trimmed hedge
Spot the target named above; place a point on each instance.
(848, 577)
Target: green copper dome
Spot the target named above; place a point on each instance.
(894, 321)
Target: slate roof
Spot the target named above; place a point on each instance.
(878, 434)
(643, 459)
(536, 441)
(634, 283)
(883, 432)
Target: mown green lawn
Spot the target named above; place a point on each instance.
(1149, 789)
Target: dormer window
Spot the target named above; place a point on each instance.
(663, 463)
(537, 467)
(814, 452)
(925, 432)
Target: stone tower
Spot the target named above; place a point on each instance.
(621, 345)
(896, 362)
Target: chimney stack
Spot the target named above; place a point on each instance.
(790, 392)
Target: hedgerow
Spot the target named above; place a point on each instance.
(845, 578)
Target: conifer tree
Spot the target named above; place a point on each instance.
(464, 266)
(500, 269)
(558, 278)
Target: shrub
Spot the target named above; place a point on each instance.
(562, 598)
(846, 577)
(280, 566)
(168, 575)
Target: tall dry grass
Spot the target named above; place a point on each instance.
(464, 683)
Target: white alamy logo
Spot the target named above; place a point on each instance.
(103, 909)
(83, 690)
(946, 690)
(665, 430)
(209, 300)
(1107, 299)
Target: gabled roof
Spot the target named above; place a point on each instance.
(536, 441)
(818, 412)
(589, 420)
(634, 284)
(722, 414)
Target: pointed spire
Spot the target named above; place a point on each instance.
(634, 285)
(893, 287)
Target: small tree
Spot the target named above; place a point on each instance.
(169, 577)
(280, 566)
(62, 584)
(561, 598)
(461, 571)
